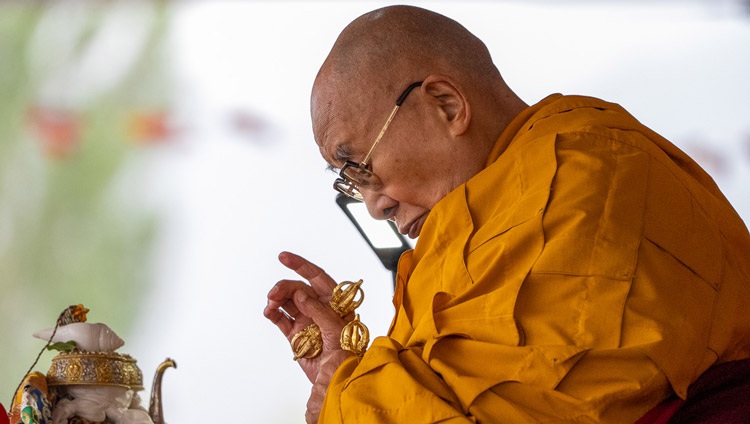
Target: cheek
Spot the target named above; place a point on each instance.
(415, 172)
(416, 185)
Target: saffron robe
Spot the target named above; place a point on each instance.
(587, 273)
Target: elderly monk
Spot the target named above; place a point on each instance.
(572, 265)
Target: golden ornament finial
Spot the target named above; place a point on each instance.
(73, 313)
(355, 337)
(307, 343)
(344, 299)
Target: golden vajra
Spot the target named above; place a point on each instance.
(355, 337)
(345, 299)
(307, 343)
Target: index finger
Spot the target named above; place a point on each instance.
(321, 282)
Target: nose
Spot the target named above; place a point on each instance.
(379, 206)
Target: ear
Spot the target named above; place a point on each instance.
(452, 102)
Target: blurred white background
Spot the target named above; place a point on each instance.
(243, 180)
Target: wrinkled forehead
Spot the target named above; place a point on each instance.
(342, 121)
(340, 134)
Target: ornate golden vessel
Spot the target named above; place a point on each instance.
(95, 368)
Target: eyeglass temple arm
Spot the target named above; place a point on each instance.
(399, 101)
(406, 92)
(380, 135)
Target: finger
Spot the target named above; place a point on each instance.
(329, 322)
(282, 321)
(281, 309)
(281, 295)
(288, 325)
(290, 309)
(319, 280)
(283, 292)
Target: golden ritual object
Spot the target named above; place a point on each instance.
(307, 343)
(355, 337)
(87, 377)
(95, 368)
(345, 299)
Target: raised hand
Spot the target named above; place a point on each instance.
(293, 305)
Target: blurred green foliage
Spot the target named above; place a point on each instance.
(72, 229)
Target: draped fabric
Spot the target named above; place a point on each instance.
(588, 273)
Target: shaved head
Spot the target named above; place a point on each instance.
(380, 53)
(393, 46)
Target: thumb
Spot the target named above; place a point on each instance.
(320, 313)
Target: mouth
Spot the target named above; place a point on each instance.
(414, 227)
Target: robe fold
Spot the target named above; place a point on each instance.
(590, 271)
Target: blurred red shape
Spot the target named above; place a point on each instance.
(58, 130)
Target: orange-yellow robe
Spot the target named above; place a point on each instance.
(590, 270)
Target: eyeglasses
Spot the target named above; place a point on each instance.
(354, 175)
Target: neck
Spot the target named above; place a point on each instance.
(500, 113)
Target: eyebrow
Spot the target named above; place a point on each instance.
(341, 154)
